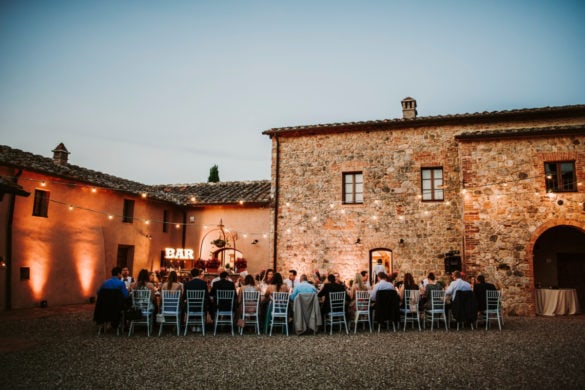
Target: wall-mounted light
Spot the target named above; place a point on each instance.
(401, 242)
(358, 241)
(254, 242)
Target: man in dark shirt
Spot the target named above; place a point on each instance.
(222, 284)
(197, 283)
(327, 288)
(479, 290)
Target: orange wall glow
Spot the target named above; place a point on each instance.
(36, 257)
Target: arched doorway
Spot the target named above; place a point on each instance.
(559, 259)
(383, 255)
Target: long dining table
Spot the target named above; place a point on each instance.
(553, 302)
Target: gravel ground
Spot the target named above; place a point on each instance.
(64, 351)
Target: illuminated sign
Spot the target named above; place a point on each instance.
(179, 254)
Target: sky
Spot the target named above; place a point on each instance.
(160, 91)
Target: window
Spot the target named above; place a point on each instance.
(24, 273)
(41, 205)
(128, 212)
(432, 183)
(560, 176)
(165, 224)
(353, 187)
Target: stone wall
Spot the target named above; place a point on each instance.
(507, 208)
(317, 231)
(491, 220)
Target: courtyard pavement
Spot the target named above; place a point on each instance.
(58, 348)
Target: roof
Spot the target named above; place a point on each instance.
(236, 192)
(253, 192)
(8, 187)
(397, 123)
(523, 132)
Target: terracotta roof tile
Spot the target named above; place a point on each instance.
(257, 192)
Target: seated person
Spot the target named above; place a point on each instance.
(329, 287)
(303, 287)
(457, 284)
(431, 286)
(479, 290)
(383, 284)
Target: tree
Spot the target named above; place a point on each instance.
(213, 174)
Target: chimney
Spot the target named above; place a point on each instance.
(408, 108)
(60, 154)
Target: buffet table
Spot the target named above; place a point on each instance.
(551, 302)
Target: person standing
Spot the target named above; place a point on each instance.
(377, 269)
(292, 279)
(127, 277)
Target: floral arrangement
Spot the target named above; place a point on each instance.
(200, 263)
(240, 263)
(212, 263)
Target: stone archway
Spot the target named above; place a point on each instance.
(557, 253)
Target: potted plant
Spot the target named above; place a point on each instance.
(219, 242)
(240, 264)
(200, 264)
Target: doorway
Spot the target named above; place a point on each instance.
(125, 256)
(559, 259)
(379, 256)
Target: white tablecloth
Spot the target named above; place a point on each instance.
(551, 302)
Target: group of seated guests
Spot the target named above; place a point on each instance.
(270, 281)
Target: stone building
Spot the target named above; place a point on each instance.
(497, 193)
(65, 227)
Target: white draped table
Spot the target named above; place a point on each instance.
(551, 302)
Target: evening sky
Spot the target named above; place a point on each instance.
(159, 91)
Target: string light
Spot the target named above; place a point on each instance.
(177, 225)
(389, 197)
